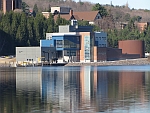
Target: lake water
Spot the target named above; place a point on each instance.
(105, 89)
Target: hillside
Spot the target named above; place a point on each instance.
(120, 13)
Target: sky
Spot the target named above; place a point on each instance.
(136, 4)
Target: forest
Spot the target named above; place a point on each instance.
(23, 29)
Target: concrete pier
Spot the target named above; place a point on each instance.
(140, 61)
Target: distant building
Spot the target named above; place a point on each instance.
(90, 16)
(142, 26)
(68, 14)
(8, 5)
(120, 25)
(60, 10)
(46, 14)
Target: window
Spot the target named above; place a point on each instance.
(104, 38)
(59, 43)
(70, 44)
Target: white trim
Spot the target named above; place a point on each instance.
(46, 12)
(62, 34)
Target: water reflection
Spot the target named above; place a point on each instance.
(74, 90)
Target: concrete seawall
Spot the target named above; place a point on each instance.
(140, 61)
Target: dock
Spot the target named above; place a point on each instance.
(52, 64)
(43, 64)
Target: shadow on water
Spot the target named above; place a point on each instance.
(107, 89)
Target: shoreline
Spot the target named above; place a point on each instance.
(127, 62)
(140, 61)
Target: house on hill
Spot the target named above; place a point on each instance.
(90, 16)
(142, 25)
(68, 14)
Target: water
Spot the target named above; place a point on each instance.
(105, 89)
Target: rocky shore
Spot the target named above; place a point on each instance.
(140, 61)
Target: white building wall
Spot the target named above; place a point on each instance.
(61, 10)
(55, 8)
(101, 39)
(28, 53)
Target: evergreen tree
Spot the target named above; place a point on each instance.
(35, 8)
(18, 37)
(50, 24)
(30, 27)
(24, 6)
(49, 8)
(23, 29)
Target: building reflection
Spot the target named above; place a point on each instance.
(28, 89)
(101, 90)
(28, 79)
(60, 87)
(131, 86)
(7, 76)
(73, 89)
(7, 89)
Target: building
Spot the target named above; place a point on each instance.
(74, 28)
(75, 43)
(60, 10)
(66, 44)
(135, 47)
(32, 55)
(63, 11)
(75, 46)
(100, 39)
(142, 26)
(68, 14)
(120, 25)
(8, 5)
(90, 16)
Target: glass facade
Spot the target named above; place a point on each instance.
(59, 44)
(70, 53)
(70, 44)
(87, 47)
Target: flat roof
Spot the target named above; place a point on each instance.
(63, 34)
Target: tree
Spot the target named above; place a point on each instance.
(97, 7)
(18, 37)
(24, 6)
(35, 9)
(127, 17)
(39, 27)
(50, 24)
(139, 18)
(31, 32)
(83, 23)
(23, 29)
(49, 8)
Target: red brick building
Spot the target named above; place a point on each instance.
(8, 5)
